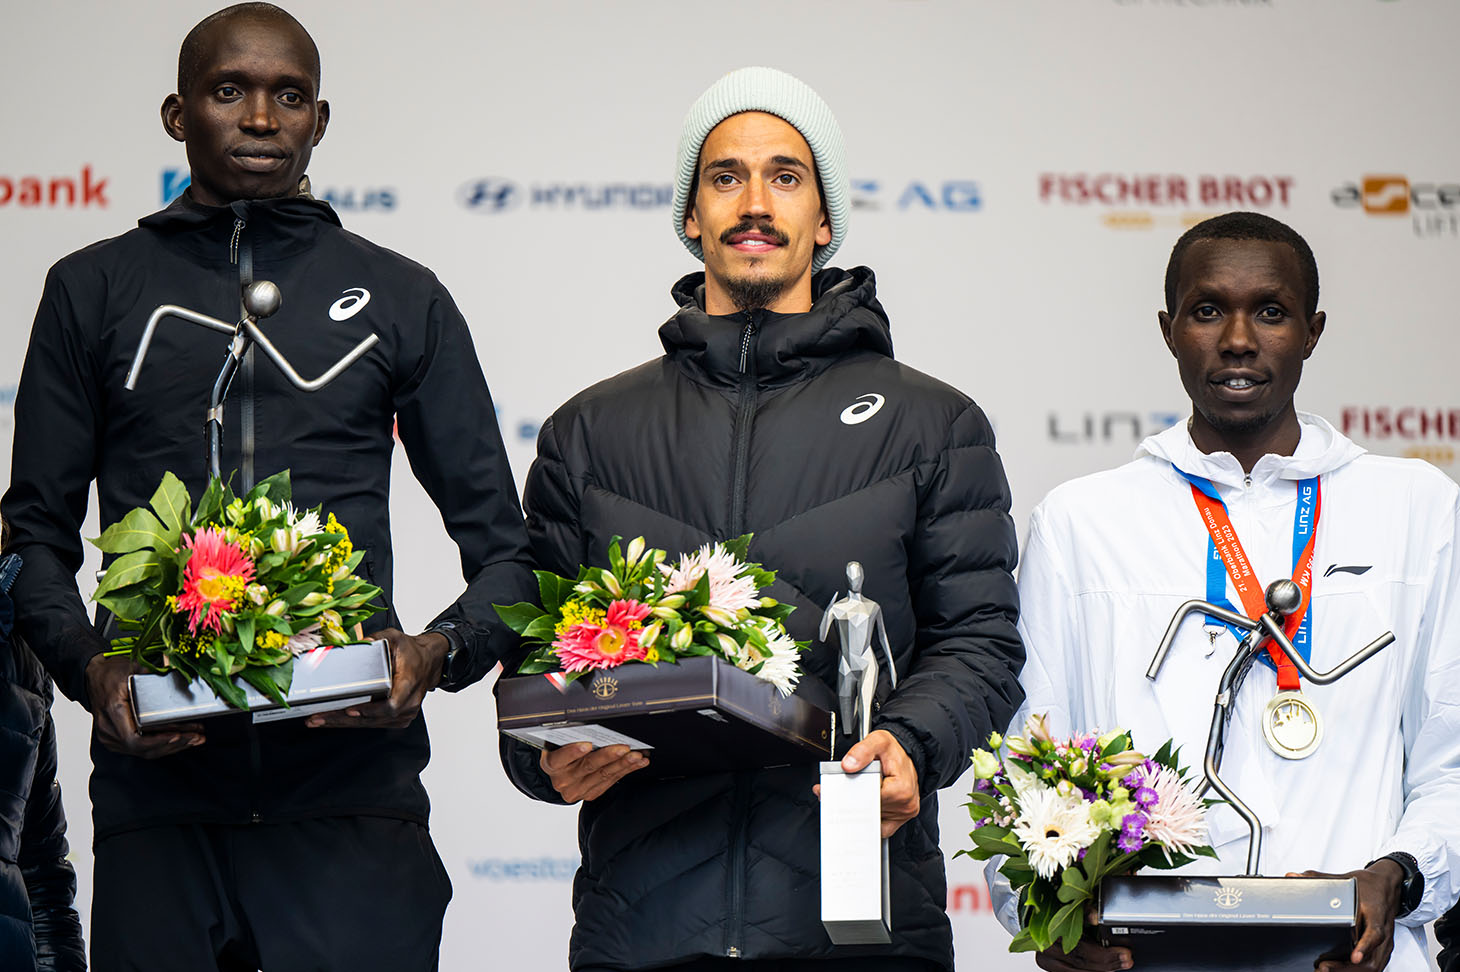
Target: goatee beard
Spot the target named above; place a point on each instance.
(1239, 428)
(755, 294)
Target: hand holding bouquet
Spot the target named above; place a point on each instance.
(238, 588)
(641, 608)
(1068, 813)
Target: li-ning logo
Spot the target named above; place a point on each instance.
(1356, 570)
(604, 687)
(349, 305)
(1228, 897)
(862, 409)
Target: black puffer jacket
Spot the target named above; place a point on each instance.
(747, 424)
(75, 422)
(39, 928)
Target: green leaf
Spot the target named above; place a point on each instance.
(615, 557)
(518, 616)
(210, 505)
(224, 688)
(996, 845)
(171, 504)
(739, 548)
(1067, 925)
(1023, 942)
(277, 488)
(129, 569)
(138, 530)
(552, 589)
(244, 625)
(541, 629)
(262, 679)
(537, 666)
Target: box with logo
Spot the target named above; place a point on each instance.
(1265, 924)
(324, 679)
(702, 715)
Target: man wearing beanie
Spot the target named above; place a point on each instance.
(778, 410)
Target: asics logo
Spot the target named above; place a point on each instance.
(862, 409)
(349, 305)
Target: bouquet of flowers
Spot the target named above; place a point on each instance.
(237, 588)
(641, 608)
(1069, 813)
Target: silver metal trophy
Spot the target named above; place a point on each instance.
(855, 901)
(1266, 924)
(1290, 724)
(323, 680)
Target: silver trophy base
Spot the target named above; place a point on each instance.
(856, 907)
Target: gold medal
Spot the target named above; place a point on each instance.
(1291, 725)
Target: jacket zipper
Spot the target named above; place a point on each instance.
(744, 419)
(735, 891)
(235, 243)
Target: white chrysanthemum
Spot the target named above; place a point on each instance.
(1178, 820)
(781, 668)
(306, 524)
(728, 590)
(1053, 829)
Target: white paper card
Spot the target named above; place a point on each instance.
(567, 735)
(300, 711)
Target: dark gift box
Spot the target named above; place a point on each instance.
(702, 715)
(1265, 924)
(324, 679)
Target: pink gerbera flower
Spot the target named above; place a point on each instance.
(606, 643)
(213, 580)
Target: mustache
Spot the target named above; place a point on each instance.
(755, 226)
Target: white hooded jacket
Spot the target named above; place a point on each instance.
(1110, 558)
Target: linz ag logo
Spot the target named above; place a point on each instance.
(1432, 208)
(348, 199)
(923, 195)
(1144, 200)
(604, 686)
(1106, 428)
(1428, 432)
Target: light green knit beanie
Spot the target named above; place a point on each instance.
(780, 94)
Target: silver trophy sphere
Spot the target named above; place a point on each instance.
(262, 299)
(1283, 597)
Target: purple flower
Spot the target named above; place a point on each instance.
(1132, 780)
(982, 785)
(1087, 743)
(1090, 795)
(1129, 843)
(1133, 823)
(1145, 797)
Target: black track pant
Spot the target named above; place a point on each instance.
(350, 893)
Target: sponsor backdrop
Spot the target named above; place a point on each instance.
(1020, 173)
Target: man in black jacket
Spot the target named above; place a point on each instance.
(296, 844)
(39, 928)
(778, 410)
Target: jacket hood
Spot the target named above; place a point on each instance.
(276, 228)
(1321, 450)
(845, 316)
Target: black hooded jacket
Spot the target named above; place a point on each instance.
(803, 430)
(75, 422)
(39, 927)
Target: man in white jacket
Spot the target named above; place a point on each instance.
(1111, 556)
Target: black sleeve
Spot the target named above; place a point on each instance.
(50, 880)
(447, 424)
(551, 500)
(53, 462)
(964, 682)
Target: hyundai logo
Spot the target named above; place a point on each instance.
(490, 195)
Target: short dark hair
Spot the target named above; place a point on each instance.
(190, 55)
(1245, 226)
